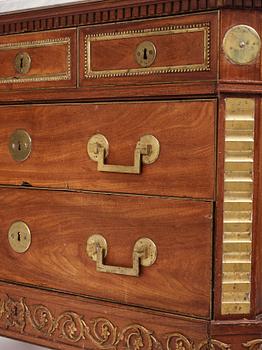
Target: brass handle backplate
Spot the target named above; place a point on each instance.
(146, 152)
(144, 253)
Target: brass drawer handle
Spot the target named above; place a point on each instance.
(144, 253)
(146, 152)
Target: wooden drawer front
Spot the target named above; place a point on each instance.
(60, 133)
(65, 322)
(51, 56)
(185, 50)
(61, 224)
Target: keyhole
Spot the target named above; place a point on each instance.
(19, 236)
(145, 54)
(19, 146)
(15, 311)
(21, 62)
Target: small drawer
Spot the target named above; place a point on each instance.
(69, 230)
(106, 147)
(38, 60)
(158, 51)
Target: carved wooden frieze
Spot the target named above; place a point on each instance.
(20, 316)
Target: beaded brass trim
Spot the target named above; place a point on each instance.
(35, 44)
(238, 205)
(170, 30)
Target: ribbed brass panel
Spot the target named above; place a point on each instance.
(238, 205)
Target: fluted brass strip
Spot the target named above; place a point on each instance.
(238, 205)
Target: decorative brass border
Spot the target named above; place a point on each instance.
(169, 30)
(100, 333)
(238, 205)
(34, 44)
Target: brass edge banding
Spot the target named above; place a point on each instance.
(169, 30)
(35, 44)
(238, 205)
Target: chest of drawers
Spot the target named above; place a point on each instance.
(130, 175)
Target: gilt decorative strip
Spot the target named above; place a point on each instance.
(238, 205)
(203, 28)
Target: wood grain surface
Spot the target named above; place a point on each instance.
(61, 223)
(118, 93)
(185, 130)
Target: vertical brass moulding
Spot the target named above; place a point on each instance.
(238, 205)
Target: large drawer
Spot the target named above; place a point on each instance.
(185, 131)
(62, 223)
(38, 60)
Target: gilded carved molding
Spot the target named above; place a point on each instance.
(214, 345)
(253, 344)
(91, 39)
(70, 327)
(38, 44)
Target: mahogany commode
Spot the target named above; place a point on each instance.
(130, 157)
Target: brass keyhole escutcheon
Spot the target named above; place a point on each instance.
(20, 145)
(23, 62)
(146, 54)
(19, 237)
